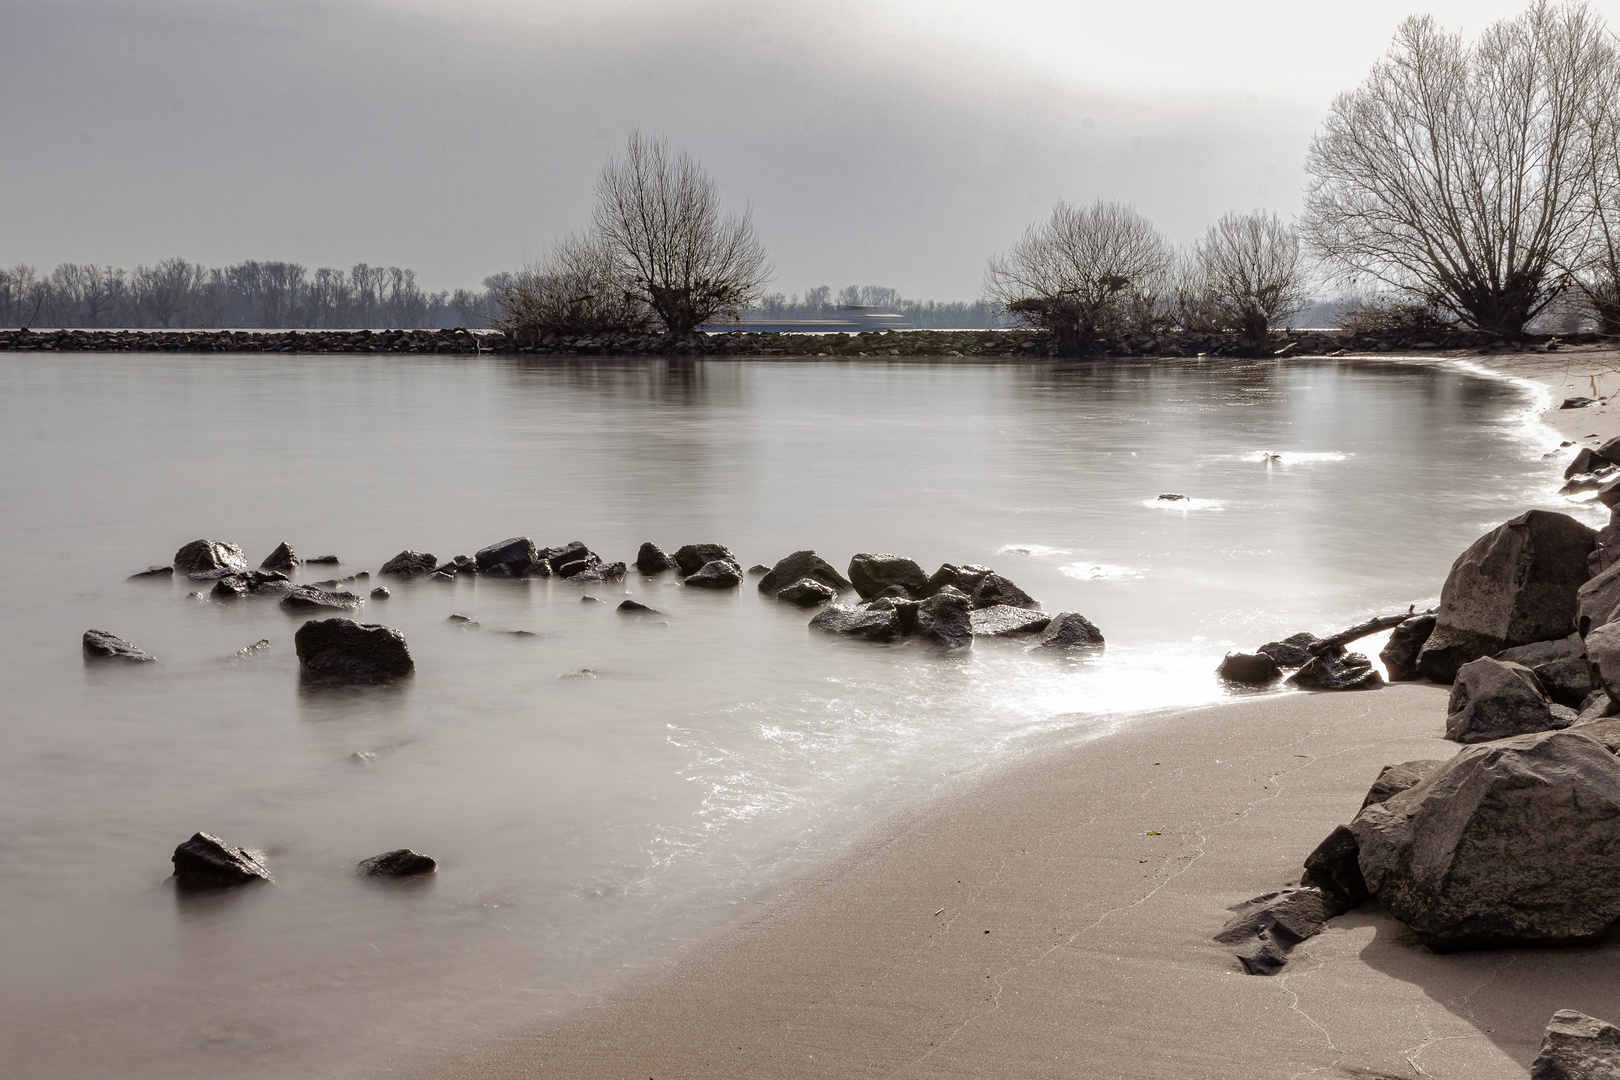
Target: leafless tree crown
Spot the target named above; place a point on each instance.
(578, 288)
(1459, 175)
(1249, 273)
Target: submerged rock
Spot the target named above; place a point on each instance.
(321, 560)
(870, 574)
(152, 572)
(718, 574)
(1291, 651)
(397, 864)
(1265, 929)
(381, 593)
(652, 559)
(100, 645)
(283, 558)
(202, 556)
(632, 607)
(408, 564)
(307, 597)
(993, 590)
(798, 566)
(509, 558)
(691, 558)
(1353, 671)
(1004, 620)
(1400, 653)
(866, 623)
(1254, 669)
(945, 619)
(599, 574)
(337, 651)
(806, 592)
(1578, 1047)
(207, 862)
(1069, 630)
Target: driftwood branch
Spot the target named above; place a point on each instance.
(1361, 630)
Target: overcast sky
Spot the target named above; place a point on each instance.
(894, 142)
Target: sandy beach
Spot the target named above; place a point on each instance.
(1052, 917)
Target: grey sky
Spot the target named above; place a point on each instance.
(896, 143)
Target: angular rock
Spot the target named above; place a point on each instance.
(1567, 682)
(336, 651)
(248, 652)
(1537, 653)
(1394, 779)
(968, 576)
(870, 574)
(758, 570)
(1265, 929)
(1598, 601)
(229, 588)
(862, 623)
(806, 592)
(1496, 699)
(691, 558)
(599, 574)
(153, 572)
(1586, 461)
(718, 574)
(1510, 843)
(1353, 671)
(906, 609)
(207, 862)
(509, 558)
(1254, 669)
(100, 645)
(993, 590)
(1595, 706)
(633, 607)
(408, 564)
(307, 598)
(201, 556)
(1333, 868)
(1399, 655)
(1291, 651)
(1069, 630)
(1606, 549)
(652, 559)
(283, 559)
(1609, 494)
(947, 574)
(798, 566)
(945, 619)
(1577, 1047)
(1514, 585)
(381, 593)
(397, 864)
(1004, 620)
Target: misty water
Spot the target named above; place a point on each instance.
(608, 790)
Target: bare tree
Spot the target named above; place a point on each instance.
(659, 216)
(164, 293)
(1081, 272)
(1250, 273)
(20, 296)
(1453, 173)
(579, 288)
(1596, 270)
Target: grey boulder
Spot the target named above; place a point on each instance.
(1327, 672)
(337, 651)
(1069, 630)
(202, 556)
(1578, 1047)
(509, 558)
(693, 557)
(1400, 654)
(409, 564)
(308, 597)
(806, 592)
(945, 619)
(100, 645)
(716, 574)
(870, 574)
(652, 559)
(1291, 651)
(207, 862)
(1004, 620)
(993, 590)
(867, 623)
(283, 559)
(1254, 669)
(1498, 699)
(1335, 868)
(397, 864)
(798, 566)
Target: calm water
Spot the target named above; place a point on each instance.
(591, 823)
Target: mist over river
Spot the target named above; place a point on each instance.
(608, 790)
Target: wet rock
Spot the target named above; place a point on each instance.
(862, 623)
(652, 559)
(336, 651)
(509, 558)
(1514, 585)
(718, 574)
(248, 652)
(591, 600)
(1537, 653)
(1609, 494)
(100, 645)
(1578, 1047)
(1264, 930)
(1603, 653)
(906, 609)
(207, 862)
(691, 558)
(153, 572)
(570, 560)
(945, 619)
(806, 592)
(1334, 868)
(798, 566)
(632, 607)
(895, 592)
(1171, 496)
(600, 574)
(1353, 671)
(1514, 842)
(1004, 620)
(1069, 630)
(1394, 779)
(307, 598)
(968, 576)
(1291, 651)
(947, 574)
(870, 574)
(1399, 655)
(283, 559)
(1609, 452)
(462, 622)
(408, 564)
(1586, 461)
(1496, 699)
(461, 564)
(381, 593)
(397, 864)
(758, 570)
(322, 560)
(1252, 668)
(201, 556)
(993, 590)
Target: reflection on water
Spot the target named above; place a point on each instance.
(601, 790)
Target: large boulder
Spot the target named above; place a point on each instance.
(204, 556)
(338, 651)
(283, 559)
(599, 574)
(691, 558)
(1510, 843)
(871, 574)
(1352, 671)
(798, 566)
(1514, 585)
(1070, 630)
(1004, 620)
(1335, 868)
(1394, 779)
(509, 558)
(716, 574)
(1400, 653)
(207, 862)
(1567, 682)
(1577, 1047)
(652, 559)
(1603, 653)
(1498, 699)
(806, 592)
(100, 645)
(1598, 600)
(867, 623)
(408, 564)
(993, 590)
(1253, 669)
(945, 619)
(906, 609)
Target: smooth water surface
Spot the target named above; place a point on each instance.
(608, 789)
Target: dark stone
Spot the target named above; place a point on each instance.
(798, 566)
(1538, 653)
(945, 619)
(1585, 462)
(1069, 630)
(380, 593)
(307, 597)
(758, 570)
(229, 588)
(632, 607)
(509, 558)
(806, 592)
(1400, 653)
(870, 574)
(1291, 651)
(718, 574)
(1004, 620)
(1394, 779)
(993, 590)
(1514, 585)
(397, 864)
(462, 622)
(154, 572)
(1253, 668)
(968, 576)
(100, 645)
(1609, 452)
(1351, 672)
(1577, 1047)
(1605, 550)
(1603, 655)
(906, 609)
(858, 622)
(691, 558)
(895, 592)
(1568, 682)
(1265, 929)
(201, 556)
(333, 651)
(322, 560)
(283, 558)
(570, 560)
(248, 652)
(1497, 699)
(1598, 600)
(207, 862)
(1577, 402)
(408, 564)
(652, 559)
(599, 574)
(947, 574)
(1334, 869)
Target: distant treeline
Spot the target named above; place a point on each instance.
(820, 303)
(178, 293)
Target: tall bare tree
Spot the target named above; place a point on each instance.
(1081, 272)
(1250, 273)
(1596, 268)
(659, 216)
(164, 293)
(1453, 173)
